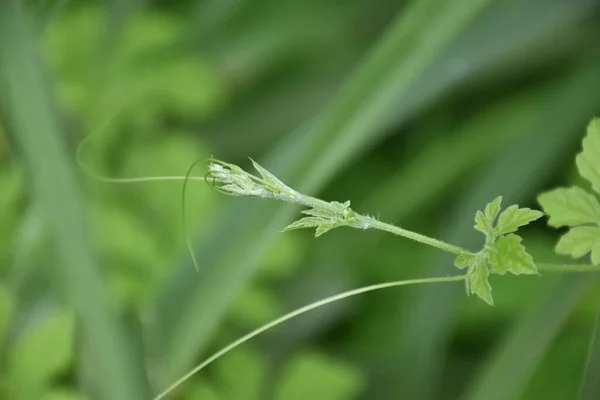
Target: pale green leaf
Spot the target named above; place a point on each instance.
(484, 221)
(313, 376)
(514, 217)
(570, 207)
(306, 222)
(465, 260)
(507, 254)
(326, 227)
(588, 161)
(269, 177)
(579, 241)
(492, 209)
(41, 353)
(481, 224)
(477, 283)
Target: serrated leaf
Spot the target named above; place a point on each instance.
(477, 282)
(588, 161)
(465, 260)
(326, 227)
(484, 222)
(570, 207)
(493, 208)
(579, 241)
(507, 254)
(514, 217)
(303, 223)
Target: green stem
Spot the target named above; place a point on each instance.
(568, 268)
(374, 223)
(296, 313)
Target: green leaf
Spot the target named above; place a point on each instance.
(579, 241)
(241, 374)
(588, 161)
(484, 222)
(570, 206)
(507, 254)
(269, 177)
(44, 351)
(306, 222)
(313, 376)
(62, 394)
(514, 217)
(465, 260)
(477, 282)
(6, 307)
(202, 390)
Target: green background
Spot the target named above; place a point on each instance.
(419, 112)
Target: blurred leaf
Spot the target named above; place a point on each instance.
(513, 362)
(579, 241)
(255, 306)
(241, 374)
(40, 354)
(588, 161)
(53, 183)
(591, 380)
(570, 206)
(201, 391)
(62, 394)
(6, 308)
(314, 376)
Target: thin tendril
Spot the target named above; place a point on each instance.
(296, 313)
(186, 234)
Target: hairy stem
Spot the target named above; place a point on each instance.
(296, 313)
(413, 236)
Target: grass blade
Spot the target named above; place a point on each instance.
(507, 373)
(55, 186)
(591, 383)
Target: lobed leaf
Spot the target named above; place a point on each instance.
(484, 221)
(588, 161)
(579, 241)
(507, 254)
(514, 217)
(570, 207)
(477, 282)
(465, 260)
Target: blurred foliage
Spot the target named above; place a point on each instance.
(497, 107)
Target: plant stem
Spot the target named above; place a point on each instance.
(296, 313)
(568, 267)
(396, 230)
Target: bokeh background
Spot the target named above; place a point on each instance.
(419, 112)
